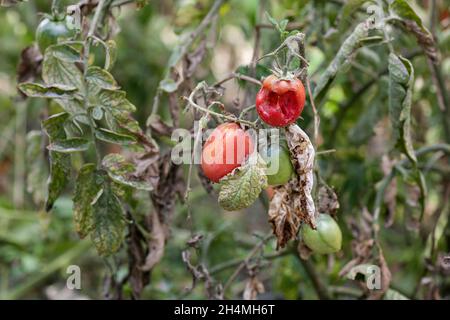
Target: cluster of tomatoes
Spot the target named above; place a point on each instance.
(279, 103)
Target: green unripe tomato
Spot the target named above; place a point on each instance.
(285, 168)
(49, 31)
(327, 238)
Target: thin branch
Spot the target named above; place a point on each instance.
(241, 266)
(191, 102)
(319, 286)
(239, 77)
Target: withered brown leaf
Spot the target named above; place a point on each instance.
(292, 203)
(156, 244)
(253, 287)
(327, 200)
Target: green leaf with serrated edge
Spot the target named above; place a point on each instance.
(59, 162)
(58, 68)
(65, 52)
(122, 172)
(98, 78)
(401, 81)
(341, 60)
(88, 186)
(37, 172)
(124, 122)
(69, 145)
(242, 187)
(115, 99)
(114, 137)
(51, 91)
(108, 222)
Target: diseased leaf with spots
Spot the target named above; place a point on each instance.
(69, 145)
(59, 162)
(114, 137)
(98, 78)
(242, 187)
(50, 91)
(97, 210)
(37, 172)
(59, 68)
(108, 219)
(88, 186)
(124, 172)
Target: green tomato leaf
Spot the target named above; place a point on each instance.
(401, 80)
(409, 19)
(108, 222)
(37, 172)
(51, 91)
(98, 78)
(242, 187)
(123, 172)
(98, 211)
(341, 60)
(58, 68)
(59, 162)
(114, 99)
(69, 145)
(114, 137)
(88, 186)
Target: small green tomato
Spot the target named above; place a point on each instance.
(327, 238)
(285, 168)
(49, 31)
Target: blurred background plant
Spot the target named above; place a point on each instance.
(36, 247)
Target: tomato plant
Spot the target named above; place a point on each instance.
(226, 148)
(280, 101)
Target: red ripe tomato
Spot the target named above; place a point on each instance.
(280, 102)
(226, 148)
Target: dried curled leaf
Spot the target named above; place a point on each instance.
(242, 187)
(292, 203)
(156, 244)
(253, 287)
(303, 154)
(328, 200)
(283, 217)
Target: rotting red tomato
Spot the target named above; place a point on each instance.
(280, 102)
(226, 148)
